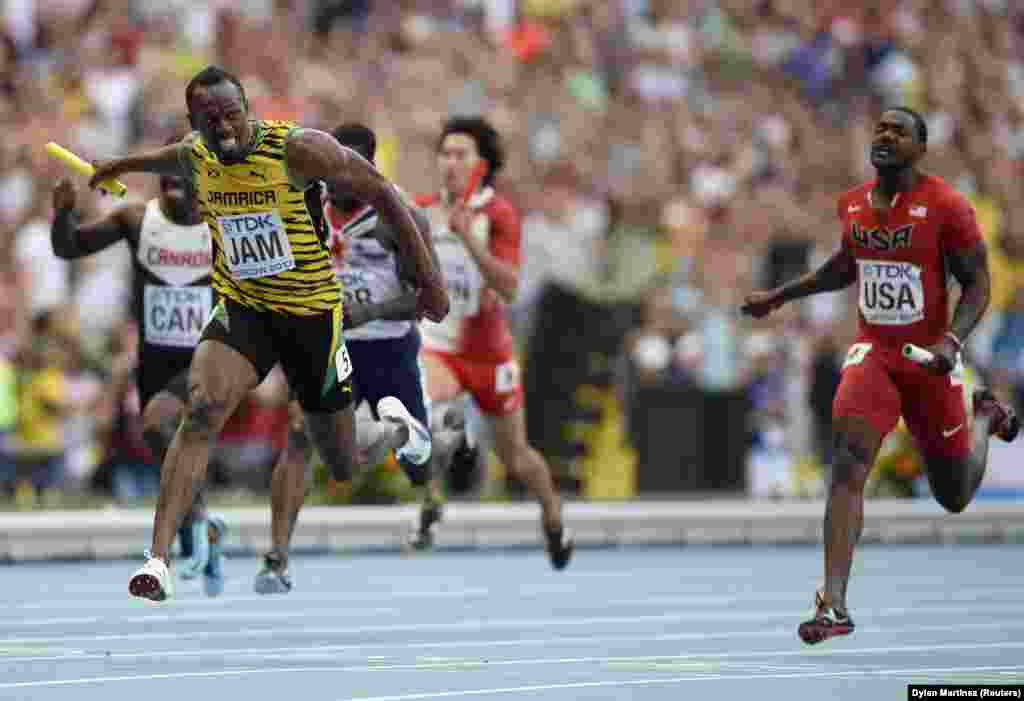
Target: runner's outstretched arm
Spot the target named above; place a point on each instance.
(71, 240)
(167, 160)
(837, 273)
(315, 155)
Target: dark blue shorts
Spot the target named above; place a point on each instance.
(390, 368)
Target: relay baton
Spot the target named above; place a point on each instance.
(917, 354)
(115, 187)
(475, 177)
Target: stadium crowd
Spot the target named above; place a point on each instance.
(667, 157)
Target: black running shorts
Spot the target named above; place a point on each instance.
(311, 350)
(163, 370)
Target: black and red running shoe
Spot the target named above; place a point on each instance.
(827, 623)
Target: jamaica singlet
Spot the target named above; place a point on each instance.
(269, 242)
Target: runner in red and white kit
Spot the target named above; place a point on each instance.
(477, 238)
(901, 232)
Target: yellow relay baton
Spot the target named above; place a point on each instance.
(115, 187)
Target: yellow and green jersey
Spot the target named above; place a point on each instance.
(269, 242)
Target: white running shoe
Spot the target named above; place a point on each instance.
(153, 581)
(417, 449)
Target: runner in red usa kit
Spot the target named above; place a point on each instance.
(901, 232)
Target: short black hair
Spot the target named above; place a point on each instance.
(919, 124)
(212, 75)
(358, 137)
(488, 143)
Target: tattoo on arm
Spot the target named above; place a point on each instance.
(970, 268)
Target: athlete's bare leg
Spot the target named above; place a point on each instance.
(955, 482)
(219, 379)
(526, 463)
(288, 482)
(333, 434)
(518, 456)
(444, 388)
(446, 442)
(857, 444)
(160, 420)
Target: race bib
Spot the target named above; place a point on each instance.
(462, 277)
(891, 292)
(506, 377)
(175, 316)
(255, 244)
(358, 286)
(342, 362)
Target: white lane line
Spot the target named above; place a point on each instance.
(175, 611)
(673, 597)
(485, 624)
(470, 625)
(276, 652)
(200, 617)
(390, 668)
(866, 585)
(694, 657)
(17, 623)
(476, 662)
(221, 601)
(673, 680)
(960, 595)
(668, 599)
(477, 584)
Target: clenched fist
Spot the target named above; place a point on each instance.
(759, 304)
(64, 196)
(433, 302)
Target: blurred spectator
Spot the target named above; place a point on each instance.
(770, 460)
(825, 368)
(8, 426)
(134, 472)
(46, 277)
(563, 242)
(1007, 361)
(42, 408)
(659, 350)
(351, 15)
